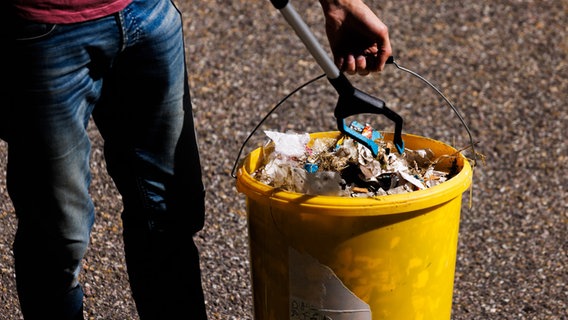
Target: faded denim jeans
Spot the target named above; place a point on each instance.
(128, 72)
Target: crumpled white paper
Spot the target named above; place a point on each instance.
(289, 144)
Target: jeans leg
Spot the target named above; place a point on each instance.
(151, 152)
(48, 158)
(48, 181)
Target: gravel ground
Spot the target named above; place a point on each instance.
(503, 63)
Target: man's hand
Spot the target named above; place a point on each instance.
(359, 40)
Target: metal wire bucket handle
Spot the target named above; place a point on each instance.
(391, 61)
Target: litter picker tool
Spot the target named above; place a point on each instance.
(352, 101)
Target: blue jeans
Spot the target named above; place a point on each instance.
(128, 72)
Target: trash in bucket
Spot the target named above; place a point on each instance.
(357, 258)
(340, 166)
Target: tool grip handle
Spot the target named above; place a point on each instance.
(279, 4)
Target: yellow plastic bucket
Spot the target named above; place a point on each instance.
(340, 258)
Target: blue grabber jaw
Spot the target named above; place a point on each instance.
(353, 101)
(355, 135)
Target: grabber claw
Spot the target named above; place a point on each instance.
(353, 101)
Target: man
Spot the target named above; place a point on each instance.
(121, 62)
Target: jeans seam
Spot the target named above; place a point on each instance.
(119, 17)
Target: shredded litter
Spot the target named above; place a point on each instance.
(343, 167)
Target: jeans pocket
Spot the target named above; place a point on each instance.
(25, 30)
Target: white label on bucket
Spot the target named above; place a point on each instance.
(316, 293)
